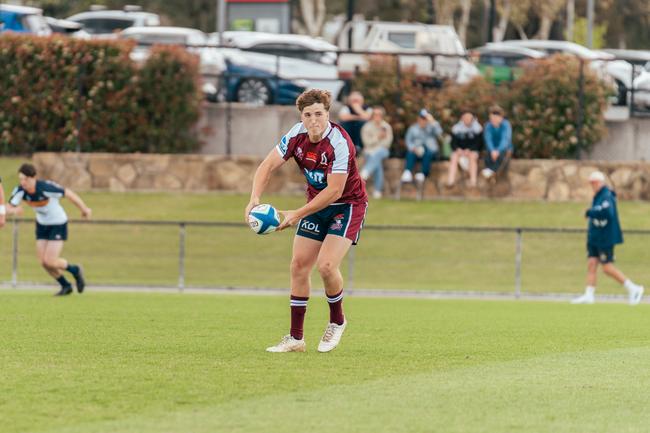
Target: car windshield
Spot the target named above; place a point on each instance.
(106, 25)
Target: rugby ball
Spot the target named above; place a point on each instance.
(263, 219)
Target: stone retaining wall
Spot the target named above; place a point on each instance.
(553, 180)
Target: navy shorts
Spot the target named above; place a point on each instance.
(344, 219)
(52, 233)
(604, 255)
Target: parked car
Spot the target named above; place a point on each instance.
(102, 23)
(291, 56)
(500, 62)
(226, 74)
(605, 64)
(408, 41)
(23, 19)
(639, 58)
(67, 27)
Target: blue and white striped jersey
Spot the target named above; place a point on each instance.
(44, 200)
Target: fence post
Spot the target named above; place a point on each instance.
(631, 89)
(518, 259)
(350, 269)
(181, 257)
(14, 263)
(581, 108)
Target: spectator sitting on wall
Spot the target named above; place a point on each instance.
(353, 116)
(466, 143)
(377, 136)
(421, 145)
(498, 141)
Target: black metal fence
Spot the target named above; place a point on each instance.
(430, 259)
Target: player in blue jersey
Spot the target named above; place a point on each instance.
(51, 223)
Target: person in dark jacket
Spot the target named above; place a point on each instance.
(466, 143)
(603, 234)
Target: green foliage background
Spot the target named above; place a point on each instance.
(60, 93)
(543, 104)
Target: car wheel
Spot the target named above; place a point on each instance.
(621, 93)
(254, 91)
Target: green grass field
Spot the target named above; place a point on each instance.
(445, 261)
(139, 363)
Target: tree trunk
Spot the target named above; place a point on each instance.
(313, 16)
(570, 19)
(544, 27)
(466, 6)
(499, 32)
(521, 32)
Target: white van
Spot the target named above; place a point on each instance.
(407, 40)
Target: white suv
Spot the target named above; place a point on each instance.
(107, 23)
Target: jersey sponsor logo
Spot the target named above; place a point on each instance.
(338, 222)
(323, 159)
(309, 226)
(311, 156)
(316, 178)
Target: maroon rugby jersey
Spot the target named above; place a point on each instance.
(333, 154)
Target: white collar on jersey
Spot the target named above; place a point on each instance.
(327, 130)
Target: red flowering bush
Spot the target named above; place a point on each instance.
(60, 93)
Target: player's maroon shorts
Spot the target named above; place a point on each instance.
(343, 219)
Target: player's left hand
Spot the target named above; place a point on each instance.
(289, 218)
(86, 213)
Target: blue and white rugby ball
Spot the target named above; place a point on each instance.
(263, 219)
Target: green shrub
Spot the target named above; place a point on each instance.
(542, 104)
(61, 93)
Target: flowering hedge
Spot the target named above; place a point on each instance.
(61, 93)
(542, 104)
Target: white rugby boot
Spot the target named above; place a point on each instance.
(288, 344)
(419, 178)
(331, 337)
(636, 294)
(587, 298)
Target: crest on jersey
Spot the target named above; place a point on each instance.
(323, 159)
(299, 153)
(311, 156)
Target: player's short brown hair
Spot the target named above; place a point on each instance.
(28, 170)
(314, 96)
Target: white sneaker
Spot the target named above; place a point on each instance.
(407, 177)
(332, 336)
(636, 295)
(587, 298)
(364, 175)
(487, 173)
(288, 344)
(376, 194)
(419, 177)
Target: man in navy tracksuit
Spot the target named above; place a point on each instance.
(604, 233)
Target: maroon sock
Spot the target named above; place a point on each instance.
(298, 310)
(336, 308)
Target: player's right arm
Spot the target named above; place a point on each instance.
(13, 205)
(261, 179)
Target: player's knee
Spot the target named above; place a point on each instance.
(299, 266)
(608, 268)
(326, 268)
(48, 263)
